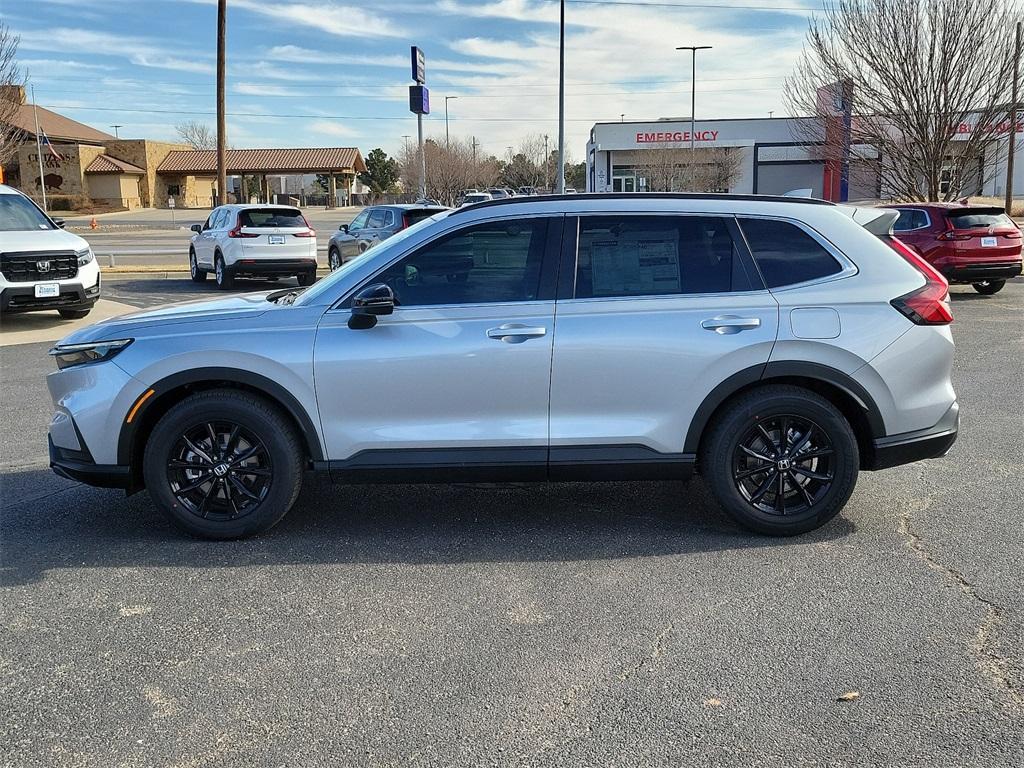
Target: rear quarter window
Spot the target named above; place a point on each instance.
(786, 254)
(910, 218)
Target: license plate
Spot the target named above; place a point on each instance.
(989, 242)
(275, 239)
(47, 290)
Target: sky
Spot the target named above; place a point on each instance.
(304, 73)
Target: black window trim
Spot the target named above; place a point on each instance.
(549, 268)
(570, 258)
(847, 267)
(927, 217)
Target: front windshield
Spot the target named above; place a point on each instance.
(19, 215)
(310, 295)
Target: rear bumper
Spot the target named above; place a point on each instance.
(930, 443)
(79, 466)
(22, 298)
(973, 273)
(246, 266)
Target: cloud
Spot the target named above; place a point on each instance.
(332, 128)
(328, 17)
(160, 61)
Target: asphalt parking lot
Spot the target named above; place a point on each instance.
(624, 624)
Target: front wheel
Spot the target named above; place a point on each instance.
(197, 274)
(306, 278)
(781, 460)
(333, 259)
(988, 287)
(223, 464)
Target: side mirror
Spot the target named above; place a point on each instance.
(59, 223)
(371, 302)
(343, 228)
(197, 228)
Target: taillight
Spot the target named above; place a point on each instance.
(310, 231)
(1015, 235)
(951, 235)
(928, 305)
(405, 221)
(237, 231)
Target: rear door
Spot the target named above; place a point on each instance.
(206, 242)
(914, 227)
(274, 233)
(658, 310)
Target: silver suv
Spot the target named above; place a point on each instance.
(776, 345)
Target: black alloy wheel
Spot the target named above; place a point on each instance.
(784, 465)
(219, 470)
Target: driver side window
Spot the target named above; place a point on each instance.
(484, 264)
(359, 221)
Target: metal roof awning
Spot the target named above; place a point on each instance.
(264, 161)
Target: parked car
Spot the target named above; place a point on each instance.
(972, 244)
(42, 266)
(498, 193)
(527, 191)
(253, 241)
(570, 191)
(371, 226)
(776, 345)
(475, 197)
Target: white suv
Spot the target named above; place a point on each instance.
(42, 266)
(777, 346)
(253, 241)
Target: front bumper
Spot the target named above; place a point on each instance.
(79, 466)
(974, 273)
(929, 443)
(22, 298)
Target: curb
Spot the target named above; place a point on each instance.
(174, 273)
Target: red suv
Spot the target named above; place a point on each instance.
(966, 243)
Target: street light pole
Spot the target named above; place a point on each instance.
(560, 178)
(1014, 106)
(222, 132)
(547, 162)
(693, 85)
(446, 100)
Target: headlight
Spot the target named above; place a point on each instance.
(84, 257)
(77, 354)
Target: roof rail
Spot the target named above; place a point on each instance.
(641, 196)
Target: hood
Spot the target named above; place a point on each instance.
(231, 308)
(41, 240)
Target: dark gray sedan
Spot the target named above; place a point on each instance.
(371, 226)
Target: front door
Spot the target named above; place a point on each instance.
(458, 376)
(663, 308)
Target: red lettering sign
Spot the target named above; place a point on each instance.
(668, 137)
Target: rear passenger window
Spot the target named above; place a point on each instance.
(656, 256)
(389, 217)
(376, 218)
(785, 254)
(910, 218)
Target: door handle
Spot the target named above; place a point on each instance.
(514, 333)
(730, 324)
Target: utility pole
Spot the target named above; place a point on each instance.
(39, 149)
(1014, 105)
(547, 162)
(560, 178)
(115, 127)
(693, 85)
(222, 136)
(447, 143)
(475, 145)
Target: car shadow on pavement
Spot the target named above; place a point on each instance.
(71, 526)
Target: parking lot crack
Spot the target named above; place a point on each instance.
(990, 662)
(656, 650)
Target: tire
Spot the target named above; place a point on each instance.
(989, 287)
(815, 489)
(333, 259)
(198, 275)
(74, 314)
(232, 503)
(306, 278)
(223, 276)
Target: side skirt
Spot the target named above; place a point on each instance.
(585, 463)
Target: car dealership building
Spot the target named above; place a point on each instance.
(766, 155)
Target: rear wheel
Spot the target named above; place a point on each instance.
(306, 278)
(198, 274)
(988, 287)
(223, 276)
(781, 460)
(74, 314)
(223, 464)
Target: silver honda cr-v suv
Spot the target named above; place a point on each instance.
(778, 346)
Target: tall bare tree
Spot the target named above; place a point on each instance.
(197, 135)
(450, 169)
(927, 82)
(11, 83)
(672, 167)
